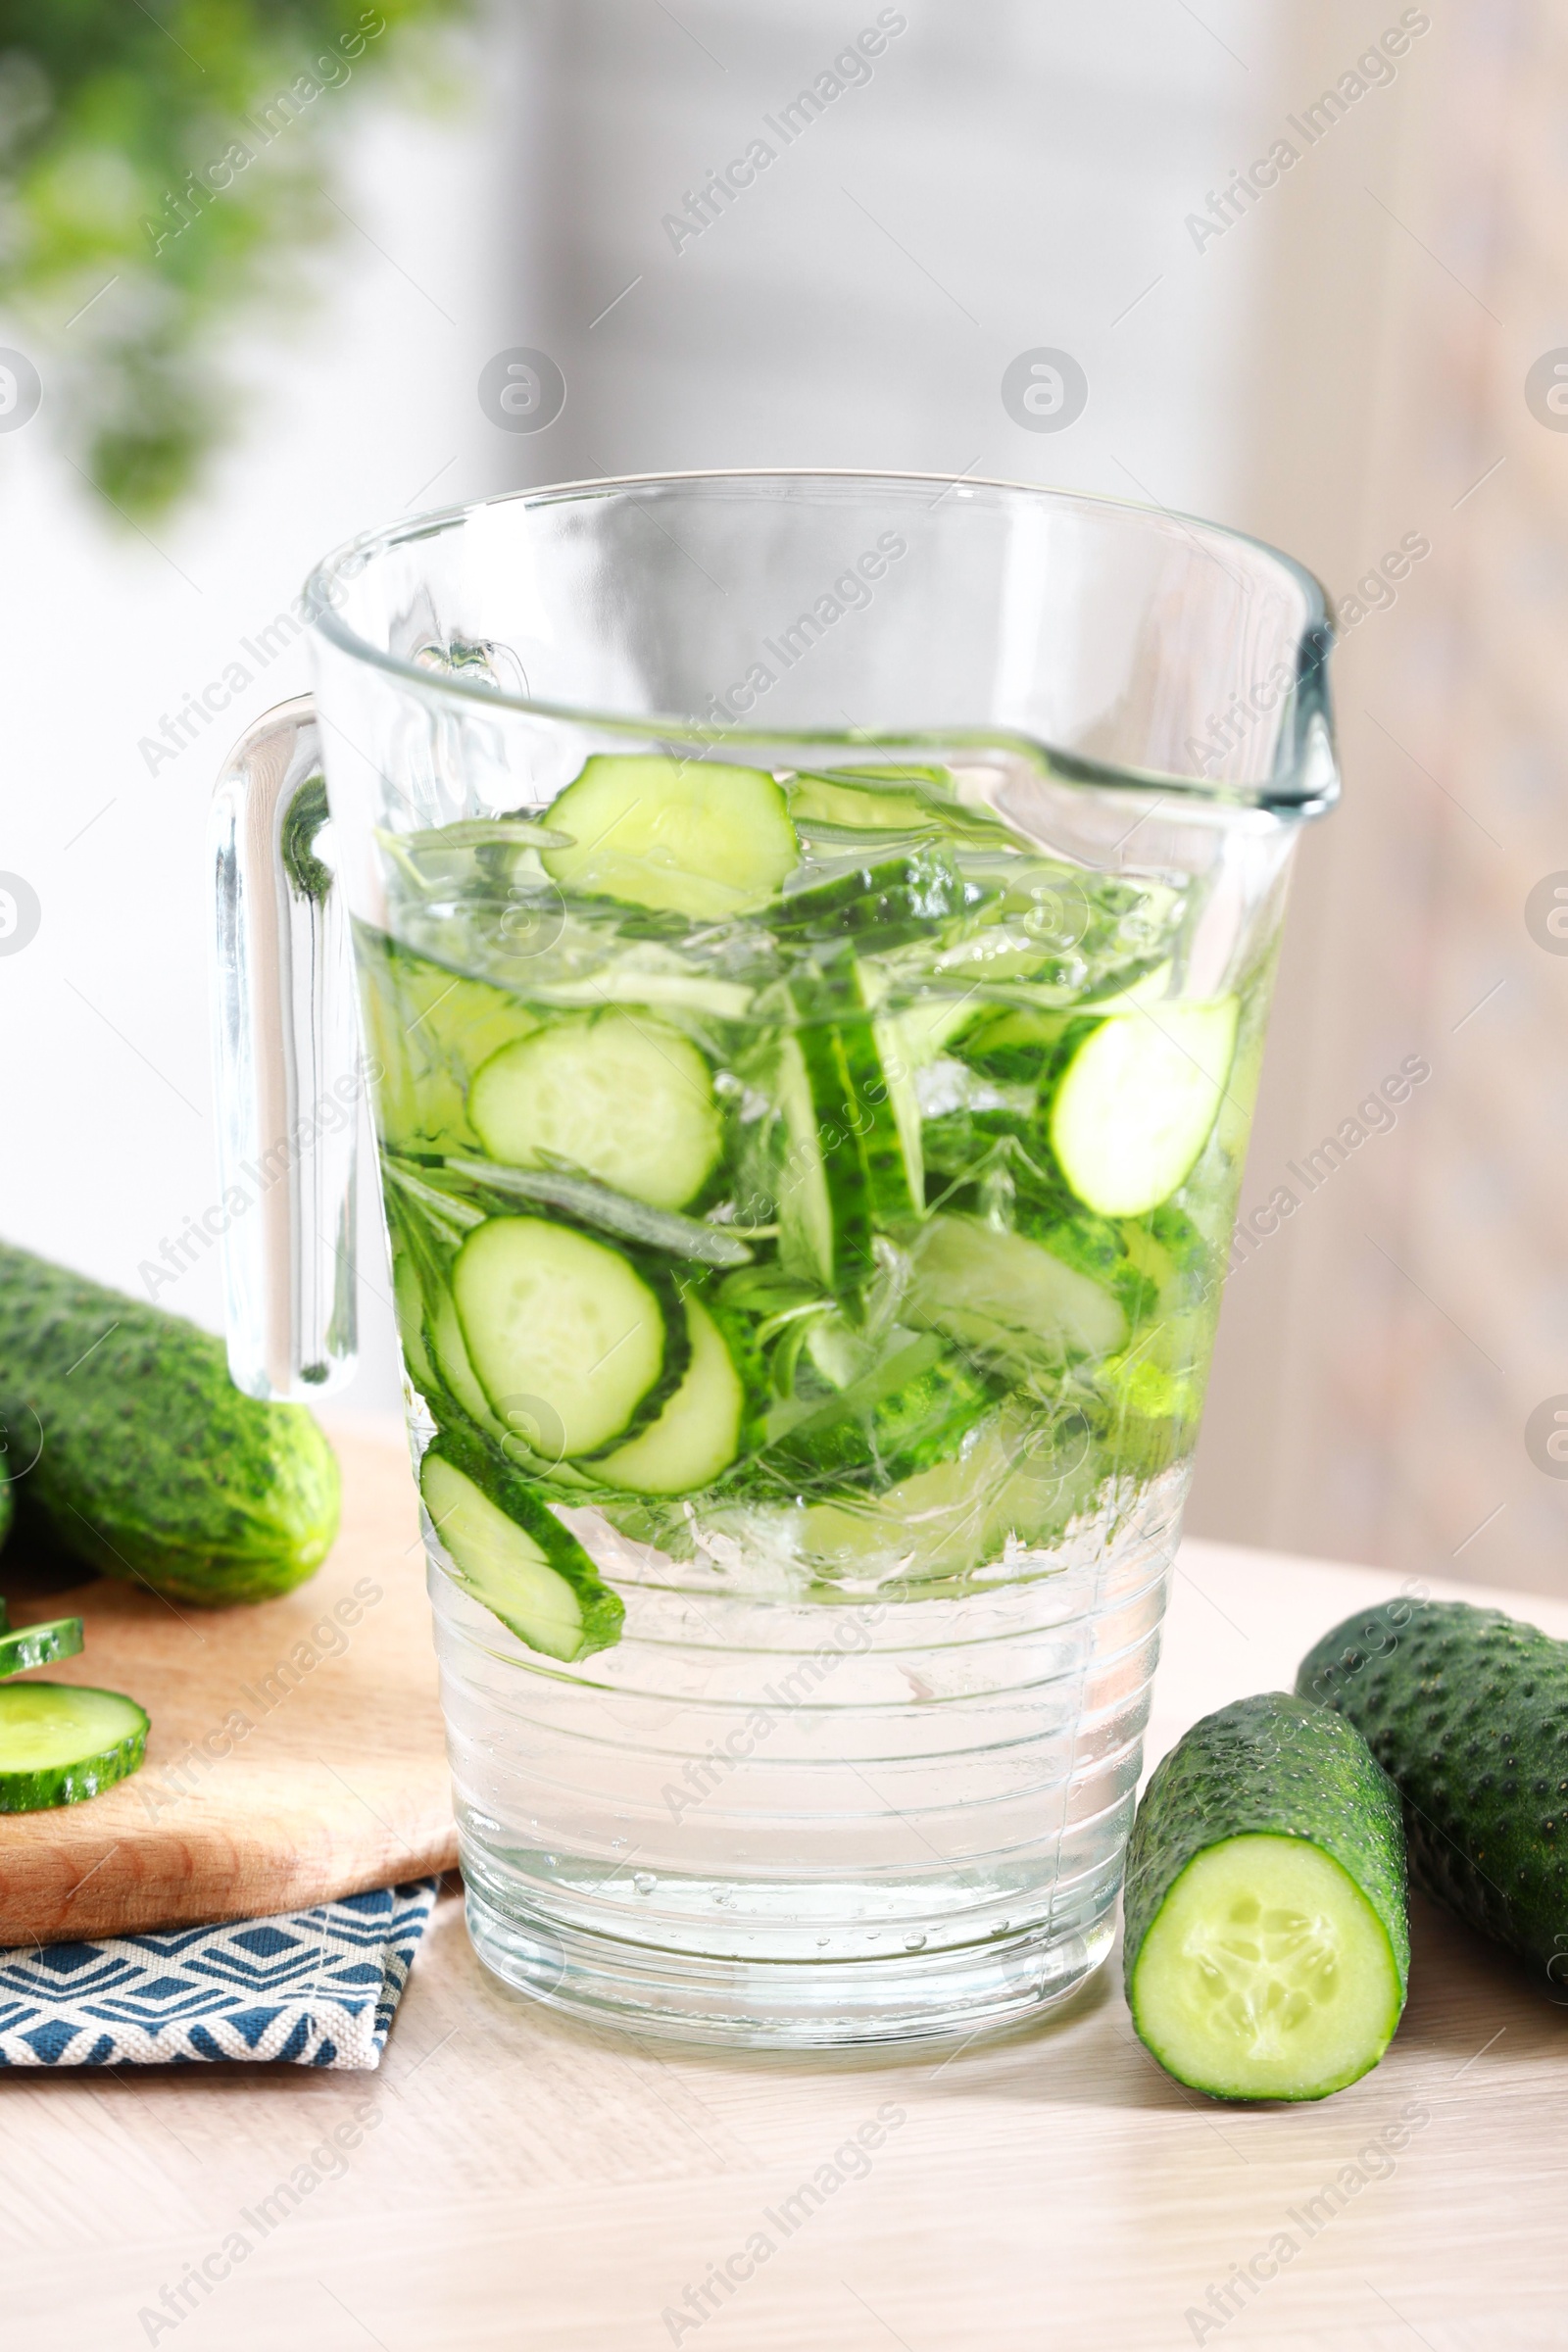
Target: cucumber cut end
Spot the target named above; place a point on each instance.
(1266, 1974)
(1137, 1101)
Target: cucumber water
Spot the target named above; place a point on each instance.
(804, 1169)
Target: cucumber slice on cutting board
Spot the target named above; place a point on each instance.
(686, 836)
(567, 1326)
(1267, 1950)
(39, 1644)
(60, 1744)
(619, 1095)
(698, 1434)
(512, 1553)
(1137, 1101)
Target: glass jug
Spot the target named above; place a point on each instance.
(813, 935)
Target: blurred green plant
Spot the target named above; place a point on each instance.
(162, 169)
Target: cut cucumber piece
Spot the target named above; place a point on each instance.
(698, 1434)
(1267, 1949)
(512, 1554)
(1137, 1101)
(39, 1644)
(1009, 1299)
(60, 1744)
(566, 1328)
(430, 1029)
(622, 1098)
(900, 897)
(853, 1123)
(866, 806)
(589, 1203)
(686, 836)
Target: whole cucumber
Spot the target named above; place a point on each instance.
(1467, 1711)
(150, 1465)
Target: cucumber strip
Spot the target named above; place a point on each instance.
(590, 1203)
(512, 1553)
(898, 899)
(806, 1215)
(863, 1145)
(1011, 1300)
(1137, 1101)
(687, 837)
(626, 1100)
(566, 1327)
(1267, 1949)
(60, 1744)
(39, 1644)
(697, 1434)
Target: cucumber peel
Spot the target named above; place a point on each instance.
(1467, 1710)
(1267, 1951)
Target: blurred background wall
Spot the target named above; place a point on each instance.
(1333, 353)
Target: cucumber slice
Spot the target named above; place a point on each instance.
(692, 838)
(60, 1744)
(568, 1327)
(39, 1644)
(866, 806)
(512, 1553)
(430, 1029)
(698, 1434)
(628, 1100)
(1267, 1949)
(1137, 1101)
(1014, 1303)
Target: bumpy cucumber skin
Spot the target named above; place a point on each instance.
(154, 1467)
(43, 1644)
(1272, 1765)
(73, 1784)
(1466, 1709)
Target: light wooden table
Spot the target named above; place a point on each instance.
(521, 2183)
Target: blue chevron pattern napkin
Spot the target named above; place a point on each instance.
(315, 1988)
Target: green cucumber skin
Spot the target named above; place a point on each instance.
(73, 1784)
(1277, 1765)
(155, 1468)
(1466, 1709)
(29, 1645)
(603, 1610)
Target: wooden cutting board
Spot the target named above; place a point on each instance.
(296, 1751)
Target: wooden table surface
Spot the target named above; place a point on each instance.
(519, 2182)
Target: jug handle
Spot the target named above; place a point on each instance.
(288, 1068)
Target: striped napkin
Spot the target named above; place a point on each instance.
(317, 1988)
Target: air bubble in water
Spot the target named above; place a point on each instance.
(643, 1882)
(913, 1943)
